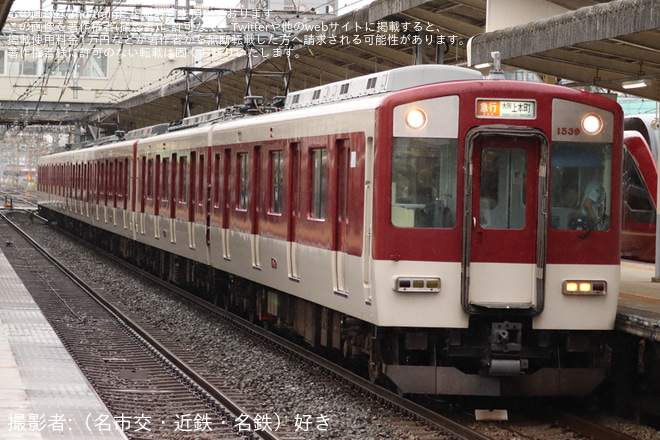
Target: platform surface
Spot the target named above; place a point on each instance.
(43, 394)
(639, 300)
(638, 290)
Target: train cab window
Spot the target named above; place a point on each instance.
(636, 198)
(424, 176)
(580, 185)
(276, 178)
(319, 168)
(243, 177)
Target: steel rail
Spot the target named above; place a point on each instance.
(180, 366)
(418, 412)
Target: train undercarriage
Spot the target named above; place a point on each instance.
(495, 356)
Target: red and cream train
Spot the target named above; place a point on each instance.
(640, 185)
(425, 218)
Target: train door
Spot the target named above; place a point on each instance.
(226, 203)
(204, 194)
(173, 195)
(145, 187)
(105, 182)
(255, 211)
(97, 189)
(157, 190)
(112, 190)
(339, 263)
(85, 192)
(505, 227)
(293, 211)
(191, 186)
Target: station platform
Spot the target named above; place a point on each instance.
(43, 394)
(639, 300)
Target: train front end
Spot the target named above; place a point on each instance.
(496, 236)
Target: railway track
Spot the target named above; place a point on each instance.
(415, 419)
(152, 391)
(17, 198)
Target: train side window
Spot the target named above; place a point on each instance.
(424, 179)
(150, 179)
(173, 183)
(200, 190)
(111, 178)
(183, 179)
(104, 178)
(243, 176)
(127, 182)
(580, 185)
(216, 181)
(85, 183)
(276, 178)
(165, 179)
(342, 185)
(636, 197)
(319, 180)
(78, 182)
(120, 179)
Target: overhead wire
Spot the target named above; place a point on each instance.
(41, 83)
(74, 67)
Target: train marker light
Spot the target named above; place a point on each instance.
(585, 288)
(592, 124)
(417, 284)
(416, 118)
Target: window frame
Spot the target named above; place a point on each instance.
(318, 183)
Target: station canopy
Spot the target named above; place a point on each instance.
(609, 45)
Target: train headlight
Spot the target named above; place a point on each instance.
(416, 118)
(584, 288)
(417, 284)
(592, 124)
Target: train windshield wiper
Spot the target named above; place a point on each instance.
(594, 226)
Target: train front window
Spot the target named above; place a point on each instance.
(424, 175)
(580, 186)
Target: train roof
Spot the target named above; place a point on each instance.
(369, 85)
(378, 83)
(647, 126)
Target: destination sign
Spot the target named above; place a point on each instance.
(504, 108)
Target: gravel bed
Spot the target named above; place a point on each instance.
(286, 388)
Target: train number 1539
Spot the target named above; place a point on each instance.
(570, 131)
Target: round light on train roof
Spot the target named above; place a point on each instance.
(416, 118)
(592, 123)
